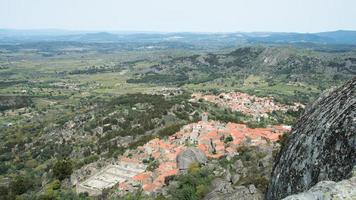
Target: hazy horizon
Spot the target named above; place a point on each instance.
(164, 16)
(158, 32)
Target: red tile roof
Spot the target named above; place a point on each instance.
(165, 151)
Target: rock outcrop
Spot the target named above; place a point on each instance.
(225, 191)
(321, 146)
(189, 156)
(243, 177)
(328, 190)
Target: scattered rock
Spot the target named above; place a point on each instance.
(228, 176)
(239, 192)
(235, 178)
(252, 189)
(238, 165)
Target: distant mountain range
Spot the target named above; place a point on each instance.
(334, 37)
(8, 36)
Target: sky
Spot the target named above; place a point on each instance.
(180, 15)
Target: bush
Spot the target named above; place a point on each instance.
(228, 139)
(193, 185)
(250, 158)
(152, 165)
(62, 169)
(21, 185)
(168, 179)
(133, 196)
(261, 124)
(255, 178)
(3, 168)
(4, 192)
(143, 140)
(193, 168)
(283, 139)
(169, 130)
(228, 116)
(245, 152)
(49, 192)
(55, 185)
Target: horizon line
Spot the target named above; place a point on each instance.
(161, 32)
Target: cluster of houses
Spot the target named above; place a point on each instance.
(168, 91)
(251, 105)
(149, 165)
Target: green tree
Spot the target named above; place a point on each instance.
(3, 168)
(20, 185)
(62, 169)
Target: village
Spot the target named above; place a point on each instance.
(247, 104)
(149, 165)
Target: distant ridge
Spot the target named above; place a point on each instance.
(347, 37)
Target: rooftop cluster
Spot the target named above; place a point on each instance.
(252, 105)
(214, 138)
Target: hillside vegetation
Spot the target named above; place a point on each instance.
(277, 71)
(66, 105)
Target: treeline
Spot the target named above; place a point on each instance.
(160, 79)
(94, 70)
(14, 102)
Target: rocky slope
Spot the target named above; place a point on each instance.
(245, 176)
(344, 189)
(322, 145)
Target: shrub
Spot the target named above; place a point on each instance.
(261, 124)
(143, 140)
(243, 150)
(169, 130)
(55, 185)
(153, 164)
(133, 196)
(228, 139)
(62, 169)
(20, 185)
(4, 192)
(283, 139)
(168, 179)
(3, 168)
(193, 168)
(193, 185)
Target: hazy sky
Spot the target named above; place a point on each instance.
(180, 15)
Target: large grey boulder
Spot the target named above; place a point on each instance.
(189, 156)
(328, 190)
(321, 146)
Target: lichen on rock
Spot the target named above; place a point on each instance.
(321, 147)
(189, 156)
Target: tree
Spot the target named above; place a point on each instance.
(4, 191)
(20, 185)
(3, 168)
(62, 169)
(228, 139)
